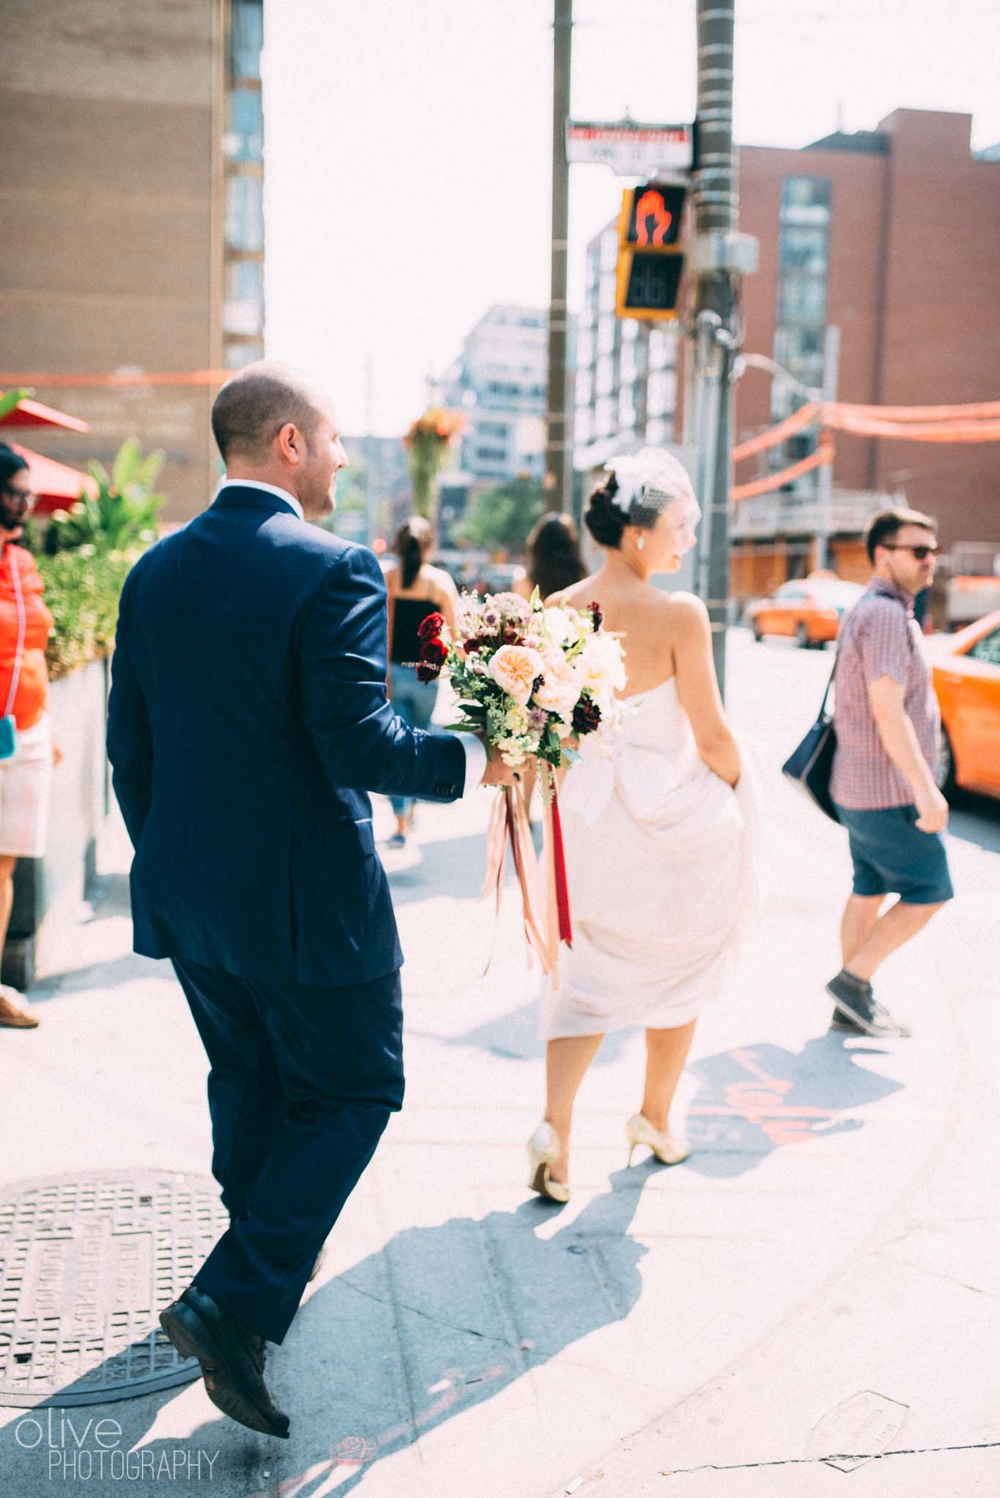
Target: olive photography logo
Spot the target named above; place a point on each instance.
(86, 1450)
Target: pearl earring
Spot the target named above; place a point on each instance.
(640, 541)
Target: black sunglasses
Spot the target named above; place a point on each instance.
(920, 553)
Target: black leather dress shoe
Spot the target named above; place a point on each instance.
(231, 1358)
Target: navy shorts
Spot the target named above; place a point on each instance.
(893, 857)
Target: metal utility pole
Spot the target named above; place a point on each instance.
(557, 465)
(824, 480)
(720, 257)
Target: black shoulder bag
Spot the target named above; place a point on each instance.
(811, 764)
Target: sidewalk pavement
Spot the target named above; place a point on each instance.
(820, 1276)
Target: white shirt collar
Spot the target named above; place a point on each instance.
(289, 499)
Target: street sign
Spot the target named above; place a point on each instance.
(629, 148)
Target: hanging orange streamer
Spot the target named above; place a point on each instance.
(823, 454)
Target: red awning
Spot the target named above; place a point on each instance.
(57, 485)
(29, 413)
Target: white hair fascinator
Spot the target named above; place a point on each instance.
(649, 480)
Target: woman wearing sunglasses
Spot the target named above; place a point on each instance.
(26, 748)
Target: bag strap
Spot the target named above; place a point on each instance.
(22, 627)
(826, 694)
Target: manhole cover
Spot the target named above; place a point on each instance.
(87, 1262)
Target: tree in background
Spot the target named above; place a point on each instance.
(500, 519)
(429, 442)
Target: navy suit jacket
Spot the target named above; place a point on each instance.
(248, 719)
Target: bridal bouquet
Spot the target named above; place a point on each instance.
(531, 680)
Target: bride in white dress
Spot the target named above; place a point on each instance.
(659, 851)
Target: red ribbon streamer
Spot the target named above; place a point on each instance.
(559, 870)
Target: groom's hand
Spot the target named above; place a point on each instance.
(497, 772)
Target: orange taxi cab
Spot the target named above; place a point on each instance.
(967, 682)
(809, 610)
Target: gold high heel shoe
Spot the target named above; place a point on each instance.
(543, 1149)
(639, 1130)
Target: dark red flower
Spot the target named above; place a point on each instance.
(512, 636)
(433, 653)
(595, 609)
(427, 671)
(431, 627)
(586, 715)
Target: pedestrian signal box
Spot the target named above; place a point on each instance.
(650, 257)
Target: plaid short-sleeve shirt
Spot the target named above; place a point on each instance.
(879, 637)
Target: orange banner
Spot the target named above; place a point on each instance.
(143, 377)
(843, 420)
(977, 411)
(771, 481)
(804, 417)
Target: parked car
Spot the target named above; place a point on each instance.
(967, 682)
(809, 610)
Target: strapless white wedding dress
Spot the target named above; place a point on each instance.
(661, 858)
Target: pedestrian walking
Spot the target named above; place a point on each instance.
(416, 590)
(554, 563)
(883, 782)
(248, 718)
(27, 752)
(554, 559)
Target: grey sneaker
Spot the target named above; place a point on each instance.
(859, 1012)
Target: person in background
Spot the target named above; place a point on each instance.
(416, 590)
(25, 775)
(554, 563)
(554, 560)
(884, 770)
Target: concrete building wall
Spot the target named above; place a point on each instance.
(110, 197)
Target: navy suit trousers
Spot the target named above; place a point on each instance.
(301, 1086)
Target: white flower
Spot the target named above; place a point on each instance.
(561, 686)
(561, 627)
(600, 667)
(516, 720)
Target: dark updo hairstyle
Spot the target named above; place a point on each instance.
(414, 540)
(606, 522)
(554, 560)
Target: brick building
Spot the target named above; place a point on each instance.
(889, 236)
(133, 215)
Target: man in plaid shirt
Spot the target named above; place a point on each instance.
(884, 771)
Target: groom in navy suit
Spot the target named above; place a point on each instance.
(248, 720)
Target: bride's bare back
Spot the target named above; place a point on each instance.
(663, 635)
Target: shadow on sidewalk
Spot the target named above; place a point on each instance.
(438, 1321)
(514, 1036)
(452, 867)
(758, 1098)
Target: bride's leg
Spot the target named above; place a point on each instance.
(666, 1053)
(566, 1062)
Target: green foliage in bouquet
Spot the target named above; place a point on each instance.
(122, 515)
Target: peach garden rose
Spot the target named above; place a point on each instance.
(514, 669)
